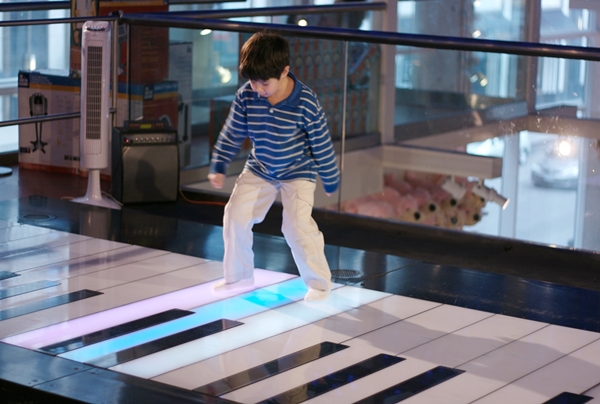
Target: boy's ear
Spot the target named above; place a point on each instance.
(285, 71)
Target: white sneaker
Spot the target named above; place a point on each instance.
(316, 295)
(223, 286)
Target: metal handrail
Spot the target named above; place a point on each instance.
(66, 20)
(204, 13)
(231, 13)
(379, 37)
(198, 20)
(40, 118)
(35, 6)
(271, 11)
(66, 5)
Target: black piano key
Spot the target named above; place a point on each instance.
(568, 398)
(7, 275)
(116, 331)
(271, 368)
(26, 288)
(334, 380)
(47, 303)
(412, 386)
(164, 343)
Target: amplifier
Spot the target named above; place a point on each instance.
(145, 163)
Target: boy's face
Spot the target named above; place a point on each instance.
(271, 86)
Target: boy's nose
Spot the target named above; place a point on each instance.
(258, 88)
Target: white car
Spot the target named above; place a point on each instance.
(494, 147)
(559, 167)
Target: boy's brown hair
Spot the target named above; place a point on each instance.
(264, 56)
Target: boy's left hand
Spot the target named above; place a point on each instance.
(216, 180)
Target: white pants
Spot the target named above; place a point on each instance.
(249, 203)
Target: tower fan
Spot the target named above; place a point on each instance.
(94, 147)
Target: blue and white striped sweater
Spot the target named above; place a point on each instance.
(290, 139)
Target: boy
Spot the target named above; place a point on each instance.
(291, 145)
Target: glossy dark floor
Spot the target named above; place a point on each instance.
(537, 306)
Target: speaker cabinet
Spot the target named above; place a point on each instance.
(145, 165)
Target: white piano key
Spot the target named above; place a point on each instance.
(208, 307)
(122, 254)
(37, 242)
(474, 340)
(117, 296)
(450, 350)
(375, 383)
(575, 373)
(20, 231)
(595, 393)
(119, 313)
(337, 329)
(51, 251)
(420, 329)
(301, 375)
(421, 340)
(5, 223)
(255, 328)
(507, 364)
(111, 277)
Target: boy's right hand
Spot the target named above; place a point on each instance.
(216, 180)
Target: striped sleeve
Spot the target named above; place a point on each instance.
(231, 137)
(322, 149)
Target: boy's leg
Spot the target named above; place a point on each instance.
(304, 238)
(249, 203)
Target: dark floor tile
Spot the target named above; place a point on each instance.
(513, 296)
(104, 386)
(29, 368)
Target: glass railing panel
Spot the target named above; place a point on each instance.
(430, 99)
(537, 176)
(548, 189)
(204, 65)
(491, 19)
(495, 19)
(563, 81)
(207, 89)
(562, 20)
(555, 177)
(28, 47)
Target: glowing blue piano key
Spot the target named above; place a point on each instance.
(234, 308)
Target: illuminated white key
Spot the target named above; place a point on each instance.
(120, 295)
(119, 311)
(209, 308)
(255, 328)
